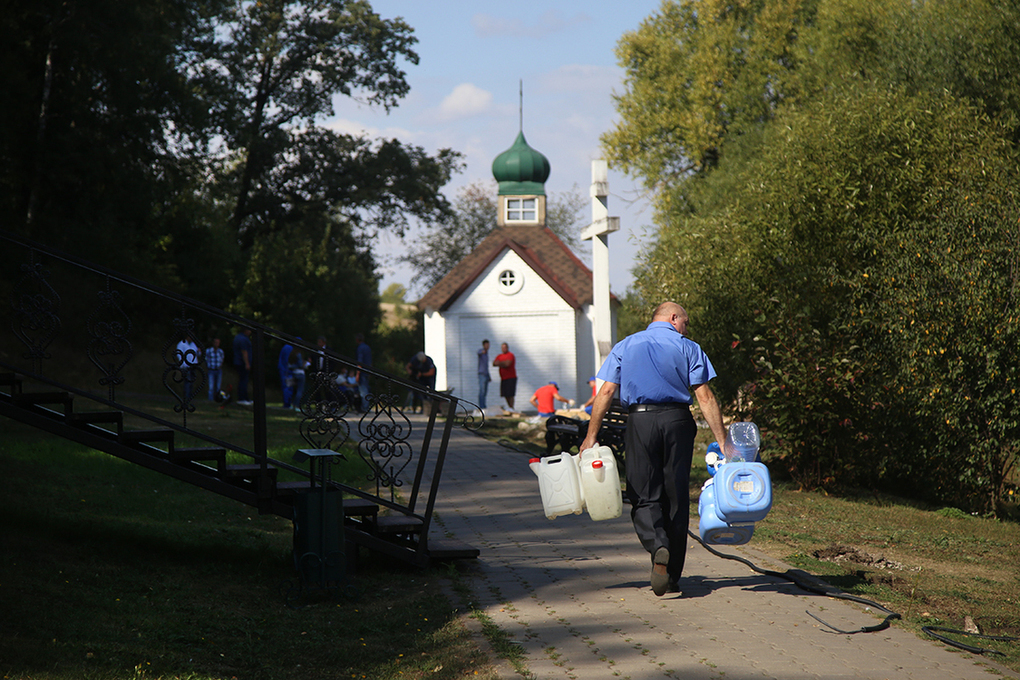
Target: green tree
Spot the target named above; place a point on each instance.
(445, 243)
(99, 127)
(697, 74)
(310, 281)
(394, 293)
(273, 73)
(800, 247)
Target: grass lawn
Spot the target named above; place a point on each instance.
(111, 571)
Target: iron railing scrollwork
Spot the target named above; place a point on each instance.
(35, 304)
(384, 442)
(109, 348)
(184, 372)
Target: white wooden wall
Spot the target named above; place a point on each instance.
(550, 339)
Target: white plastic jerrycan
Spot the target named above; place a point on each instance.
(559, 484)
(600, 483)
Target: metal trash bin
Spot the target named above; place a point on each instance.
(319, 537)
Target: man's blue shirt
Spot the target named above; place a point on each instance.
(657, 365)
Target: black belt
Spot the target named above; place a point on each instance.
(667, 406)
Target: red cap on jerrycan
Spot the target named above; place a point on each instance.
(600, 471)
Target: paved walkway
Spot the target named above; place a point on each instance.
(575, 594)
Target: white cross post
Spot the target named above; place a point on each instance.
(598, 231)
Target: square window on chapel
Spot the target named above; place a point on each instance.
(521, 210)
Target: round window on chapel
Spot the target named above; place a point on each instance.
(510, 282)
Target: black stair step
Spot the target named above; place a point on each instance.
(360, 507)
(44, 399)
(82, 418)
(398, 524)
(354, 506)
(449, 549)
(216, 454)
(247, 471)
(11, 380)
(148, 437)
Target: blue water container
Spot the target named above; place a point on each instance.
(712, 529)
(743, 492)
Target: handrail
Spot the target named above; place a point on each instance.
(380, 436)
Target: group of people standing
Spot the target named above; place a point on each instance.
(292, 367)
(351, 384)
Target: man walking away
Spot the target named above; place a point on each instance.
(658, 372)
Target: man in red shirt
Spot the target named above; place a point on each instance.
(544, 399)
(507, 374)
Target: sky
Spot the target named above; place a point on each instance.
(465, 95)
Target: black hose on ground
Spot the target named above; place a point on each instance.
(797, 577)
(969, 648)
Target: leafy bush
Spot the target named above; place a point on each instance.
(807, 397)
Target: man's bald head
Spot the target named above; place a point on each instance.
(667, 309)
(673, 314)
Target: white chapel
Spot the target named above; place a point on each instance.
(523, 286)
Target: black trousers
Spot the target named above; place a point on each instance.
(660, 445)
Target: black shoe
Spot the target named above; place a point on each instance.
(660, 577)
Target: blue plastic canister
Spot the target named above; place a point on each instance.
(743, 492)
(712, 529)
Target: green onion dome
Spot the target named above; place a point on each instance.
(520, 170)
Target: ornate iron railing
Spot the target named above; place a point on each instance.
(88, 331)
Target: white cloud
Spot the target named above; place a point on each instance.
(465, 100)
(358, 129)
(490, 26)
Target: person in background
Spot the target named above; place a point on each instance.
(363, 355)
(591, 399)
(422, 370)
(483, 374)
(242, 363)
(214, 367)
(545, 398)
(296, 363)
(507, 364)
(283, 368)
(659, 371)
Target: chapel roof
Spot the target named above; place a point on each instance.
(539, 247)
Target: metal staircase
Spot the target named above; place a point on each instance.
(68, 318)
